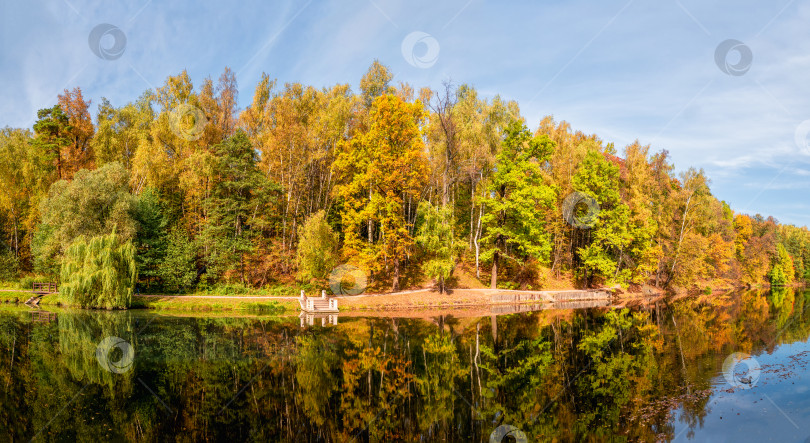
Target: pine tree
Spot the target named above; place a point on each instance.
(238, 191)
(52, 130)
(150, 239)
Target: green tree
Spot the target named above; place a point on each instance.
(436, 237)
(239, 190)
(94, 203)
(479, 124)
(25, 174)
(318, 250)
(150, 238)
(610, 236)
(375, 83)
(515, 227)
(178, 269)
(99, 272)
(782, 272)
(121, 131)
(52, 130)
(9, 266)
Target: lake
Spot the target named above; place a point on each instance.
(715, 368)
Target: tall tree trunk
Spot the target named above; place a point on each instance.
(370, 237)
(444, 184)
(477, 255)
(242, 267)
(472, 210)
(16, 239)
(59, 164)
(493, 281)
(395, 285)
(477, 245)
(680, 237)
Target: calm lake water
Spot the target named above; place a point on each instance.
(670, 372)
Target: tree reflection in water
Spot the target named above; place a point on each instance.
(596, 374)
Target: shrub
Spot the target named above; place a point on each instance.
(9, 267)
(26, 283)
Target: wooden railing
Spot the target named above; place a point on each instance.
(44, 288)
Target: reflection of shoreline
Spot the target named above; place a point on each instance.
(637, 374)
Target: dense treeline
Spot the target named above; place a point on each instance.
(404, 184)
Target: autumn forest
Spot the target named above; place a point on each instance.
(181, 191)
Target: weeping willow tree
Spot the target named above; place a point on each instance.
(99, 273)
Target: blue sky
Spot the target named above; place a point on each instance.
(624, 70)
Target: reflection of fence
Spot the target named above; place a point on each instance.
(512, 309)
(529, 307)
(521, 297)
(583, 304)
(308, 319)
(548, 296)
(318, 304)
(43, 316)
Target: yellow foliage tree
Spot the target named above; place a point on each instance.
(380, 173)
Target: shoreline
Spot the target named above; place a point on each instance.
(413, 301)
(410, 300)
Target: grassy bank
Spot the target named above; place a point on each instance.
(214, 305)
(20, 297)
(14, 296)
(172, 304)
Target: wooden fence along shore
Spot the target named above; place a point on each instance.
(40, 290)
